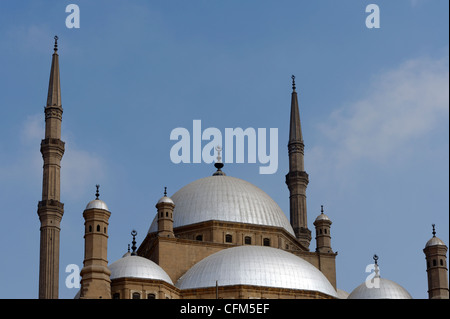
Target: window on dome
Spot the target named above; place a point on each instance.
(151, 296)
(228, 238)
(266, 242)
(248, 240)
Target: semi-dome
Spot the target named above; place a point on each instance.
(256, 266)
(387, 289)
(131, 266)
(225, 198)
(97, 203)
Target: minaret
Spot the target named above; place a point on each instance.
(297, 178)
(323, 233)
(165, 207)
(436, 257)
(50, 209)
(95, 275)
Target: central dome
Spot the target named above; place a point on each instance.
(225, 198)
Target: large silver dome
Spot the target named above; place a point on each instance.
(257, 266)
(137, 267)
(387, 290)
(225, 198)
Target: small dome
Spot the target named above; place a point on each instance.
(165, 199)
(225, 198)
(97, 203)
(386, 290)
(435, 241)
(322, 217)
(137, 267)
(256, 266)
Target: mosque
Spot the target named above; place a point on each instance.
(217, 237)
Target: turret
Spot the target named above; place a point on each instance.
(165, 207)
(95, 275)
(323, 233)
(436, 256)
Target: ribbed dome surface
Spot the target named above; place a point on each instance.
(387, 290)
(137, 267)
(257, 266)
(225, 198)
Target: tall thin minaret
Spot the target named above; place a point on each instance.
(297, 179)
(50, 209)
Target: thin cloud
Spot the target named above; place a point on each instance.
(403, 105)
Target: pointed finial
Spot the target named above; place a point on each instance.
(128, 247)
(293, 82)
(165, 191)
(56, 43)
(97, 194)
(133, 233)
(321, 209)
(434, 230)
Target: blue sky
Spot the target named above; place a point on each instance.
(374, 106)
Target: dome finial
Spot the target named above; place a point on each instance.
(97, 194)
(133, 233)
(218, 163)
(434, 230)
(165, 191)
(293, 82)
(377, 269)
(321, 209)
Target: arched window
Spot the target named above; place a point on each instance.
(248, 240)
(320, 231)
(90, 228)
(228, 238)
(199, 237)
(266, 242)
(136, 295)
(441, 262)
(116, 295)
(151, 296)
(434, 262)
(167, 214)
(98, 227)
(325, 230)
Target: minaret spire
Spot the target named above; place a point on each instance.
(50, 209)
(54, 88)
(297, 179)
